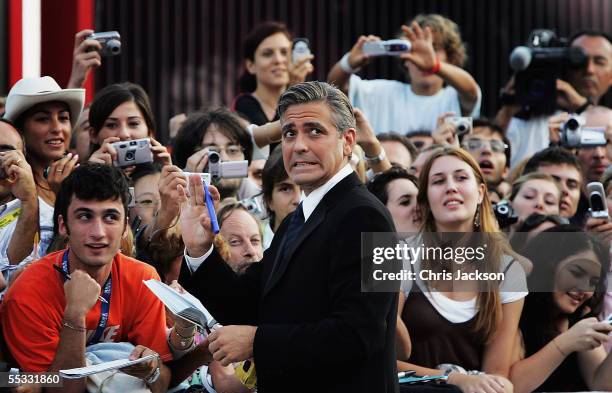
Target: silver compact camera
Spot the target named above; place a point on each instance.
(387, 48)
(597, 200)
(137, 151)
(226, 169)
(575, 135)
(204, 176)
(255, 206)
(463, 125)
(110, 41)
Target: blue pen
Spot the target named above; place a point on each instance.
(211, 210)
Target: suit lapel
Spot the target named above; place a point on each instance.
(316, 218)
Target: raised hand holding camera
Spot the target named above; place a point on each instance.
(422, 54)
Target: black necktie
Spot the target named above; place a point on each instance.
(293, 230)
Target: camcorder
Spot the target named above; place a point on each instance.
(137, 151)
(538, 65)
(387, 48)
(597, 200)
(575, 135)
(300, 49)
(226, 169)
(505, 214)
(463, 125)
(110, 41)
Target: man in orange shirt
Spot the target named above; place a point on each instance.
(48, 318)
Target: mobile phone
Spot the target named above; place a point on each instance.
(301, 49)
(597, 200)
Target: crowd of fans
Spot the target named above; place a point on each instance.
(514, 173)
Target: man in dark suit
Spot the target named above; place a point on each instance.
(300, 313)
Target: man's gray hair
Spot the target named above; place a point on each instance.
(337, 102)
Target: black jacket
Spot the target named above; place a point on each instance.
(316, 330)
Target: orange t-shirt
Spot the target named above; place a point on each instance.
(33, 307)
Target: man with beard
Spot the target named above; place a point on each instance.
(241, 234)
(582, 88)
(595, 160)
(491, 149)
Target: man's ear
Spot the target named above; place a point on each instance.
(62, 226)
(126, 228)
(349, 136)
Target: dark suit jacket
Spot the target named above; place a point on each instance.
(316, 330)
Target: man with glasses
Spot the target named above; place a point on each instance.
(491, 149)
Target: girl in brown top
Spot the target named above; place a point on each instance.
(474, 327)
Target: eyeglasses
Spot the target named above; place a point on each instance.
(232, 151)
(495, 145)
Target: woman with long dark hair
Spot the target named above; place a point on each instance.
(559, 343)
(268, 71)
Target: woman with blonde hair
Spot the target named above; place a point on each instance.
(462, 324)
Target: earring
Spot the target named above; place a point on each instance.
(477, 219)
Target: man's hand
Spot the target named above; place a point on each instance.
(554, 126)
(85, 56)
(60, 169)
(197, 161)
(194, 219)
(357, 58)
(230, 344)
(171, 177)
(81, 293)
(568, 98)
(422, 53)
(366, 138)
(145, 369)
(18, 175)
(445, 133)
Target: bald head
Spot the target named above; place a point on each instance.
(10, 138)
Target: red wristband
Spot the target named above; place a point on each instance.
(435, 69)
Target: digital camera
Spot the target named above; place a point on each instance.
(137, 151)
(387, 48)
(300, 49)
(226, 169)
(505, 214)
(575, 135)
(597, 200)
(255, 206)
(463, 125)
(204, 176)
(110, 41)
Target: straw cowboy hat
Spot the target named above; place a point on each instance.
(28, 92)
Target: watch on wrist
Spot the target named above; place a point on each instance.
(377, 159)
(151, 379)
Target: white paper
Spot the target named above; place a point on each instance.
(184, 305)
(81, 372)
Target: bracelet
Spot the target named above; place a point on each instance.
(558, 347)
(346, 66)
(435, 69)
(378, 159)
(151, 379)
(75, 328)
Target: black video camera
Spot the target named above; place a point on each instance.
(505, 214)
(538, 65)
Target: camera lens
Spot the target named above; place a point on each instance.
(502, 209)
(130, 155)
(213, 157)
(572, 124)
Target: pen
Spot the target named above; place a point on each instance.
(67, 277)
(211, 210)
